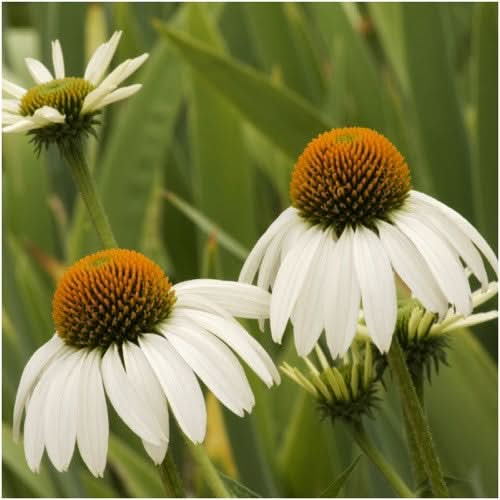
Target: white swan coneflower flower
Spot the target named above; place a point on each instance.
(59, 107)
(123, 331)
(353, 224)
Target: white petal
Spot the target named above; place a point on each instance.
(93, 426)
(238, 299)
(156, 452)
(220, 323)
(342, 295)
(130, 405)
(57, 59)
(378, 291)
(31, 373)
(479, 297)
(179, 385)
(141, 375)
(34, 441)
(102, 59)
(290, 278)
(10, 119)
(93, 99)
(473, 319)
(463, 224)
(412, 268)
(119, 95)
(61, 410)
(124, 70)
(251, 265)
(307, 315)
(214, 364)
(454, 235)
(38, 71)
(440, 258)
(13, 89)
(11, 105)
(47, 116)
(20, 126)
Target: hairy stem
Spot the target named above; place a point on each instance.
(85, 183)
(417, 427)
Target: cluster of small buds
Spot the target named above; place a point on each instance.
(347, 391)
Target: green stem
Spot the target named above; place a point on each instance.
(210, 473)
(364, 442)
(88, 189)
(417, 420)
(170, 477)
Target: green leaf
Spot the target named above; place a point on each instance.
(285, 118)
(485, 95)
(207, 226)
(237, 489)
(13, 458)
(440, 128)
(334, 489)
(137, 473)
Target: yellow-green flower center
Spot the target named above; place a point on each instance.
(349, 176)
(111, 296)
(66, 95)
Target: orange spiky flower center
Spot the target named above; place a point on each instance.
(109, 297)
(349, 176)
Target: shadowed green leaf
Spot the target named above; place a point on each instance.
(334, 489)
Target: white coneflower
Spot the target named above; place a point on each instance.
(59, 107)
(354, 223)
(123, 331)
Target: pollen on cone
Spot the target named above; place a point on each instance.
(111, 296)
(349, 176)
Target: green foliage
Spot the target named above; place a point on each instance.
(196, 165)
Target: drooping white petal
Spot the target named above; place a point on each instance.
(57, 59)
(92, 99)
(214, 364)
(47, 115)
(20, 126)
(61, 410)
(31, 373)
(341, 294)
(455, 237)
(179, 385)
(38, 71)
(290, 279)
(251, 265)
(101, 60)
(479, 297)
(34, 441)
(13, 89)
(238, 299)
(10, 105)
(118, 95)
(142, 377)
(124, 70)
(128, 403)
(463, 224)
(441, 260)
(378, 290)
(93, 426)
(412, 268)
(221, 324)
(307, 315)
(10, 119)
(156, 452)
(473, 319)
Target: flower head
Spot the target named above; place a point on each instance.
(125, 332)
(354, 224)
(60, 108)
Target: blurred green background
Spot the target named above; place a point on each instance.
(194, 167)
